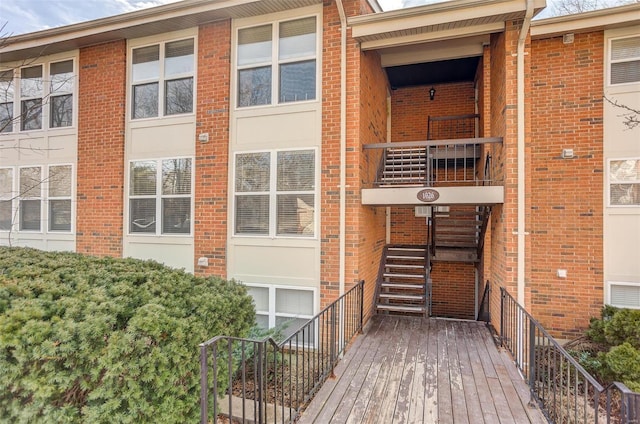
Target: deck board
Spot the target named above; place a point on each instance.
(423, 370)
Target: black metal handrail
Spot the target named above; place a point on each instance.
(566, 392)
(265, 381)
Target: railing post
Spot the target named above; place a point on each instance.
(260, 372)
(332, 351)
(502, 316)
(204, 403)
(532, 360)
(361, 299)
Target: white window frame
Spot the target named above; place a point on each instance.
(272, 314)
(25, 97)
(610, 182)
(158, 197)
(49, 198)
(620, 283)
(55, 92)
(10, 197)
(8, 95)
(162, 78)
(610, 61)
(276, 62)
(39, 198)
(273, 195)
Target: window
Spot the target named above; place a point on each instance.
(624, 182)
(59, 183)
(6, 101)
(160, 196)
(286, 68)
(6, 198)
(61, 97)
(286, 307)
(162, 71)
(30, 198)
(275, 193)
(624, 294)
(31, 91)
(625, 60)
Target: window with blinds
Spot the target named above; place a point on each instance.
(625, 60)
(6, 199)
(30, 192)
(160, 196)
(275, 193)
(6, 101)
(172, 82)
(31, 92)
(59, 198)
(284, 70)
(624, 295)
(624, 182)
(61, 94)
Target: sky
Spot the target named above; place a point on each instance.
(22, 16)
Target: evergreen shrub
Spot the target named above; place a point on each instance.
(85, 339)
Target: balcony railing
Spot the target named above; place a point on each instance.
(264, 381)
(565, 391)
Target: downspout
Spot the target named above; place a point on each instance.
(521, 152)
(343, 143)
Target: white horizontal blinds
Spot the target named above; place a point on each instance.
(142, 196)
(178, 73)
(145, 74)
(30, 187)
(255, 49)
(297, 60)
(59, 198)
(61, 89)
(295, 188)
(176, 196)
(624, 182)
(252, 183)
(625, 295)
(31, 91)
(261, 301)
(6, 198)
(625, 60)
(6, 101)
(294, 308)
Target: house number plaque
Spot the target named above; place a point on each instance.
(428, 195)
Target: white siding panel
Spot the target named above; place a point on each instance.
(280, 130)
(162, 141)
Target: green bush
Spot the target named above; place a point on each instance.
(86, 339)
(623, 364)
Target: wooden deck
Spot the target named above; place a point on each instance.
(416, 370)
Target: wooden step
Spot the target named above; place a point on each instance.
(399, 308)
(392, 296)
(403, 286)
(404, 266)
(394, 275)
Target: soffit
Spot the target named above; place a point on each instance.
(142, 23)
(449, 19)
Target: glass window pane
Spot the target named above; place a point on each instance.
(295, 215)
(298, 81)
(6, 117)
(625, 170)
(30, 182)
(6, 86)
(176, 176)
(252, 214)
(60, 181)
(625, 72)
(31, 114)
(254, 86)
(60, 215)
(252, 172)
(142, 180)
(296, 170)
(625, 194)
(178, 58)
(6, 182)
(297, 38)
(31, 82)
(296, 302)
(176, 215)
(6, 214)
(254, 45)
(142, 213)
(625, 48)
(145, 100)
(262, 321)
(61, 111)
(30, 215)
(178, 96)
(62, 77)
(292, 325)
(260, 297)
(146, 63)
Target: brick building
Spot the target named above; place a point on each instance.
(302, 146)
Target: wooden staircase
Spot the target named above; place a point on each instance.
(457, 233)
(404, 286)
(403, 167)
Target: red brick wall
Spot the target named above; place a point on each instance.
(212, 158)
(101, 118)
(566, 194)
(453, 290)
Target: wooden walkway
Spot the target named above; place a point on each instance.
(415, 370)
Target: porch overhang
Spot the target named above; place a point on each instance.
(407, 196)
(434, 22)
